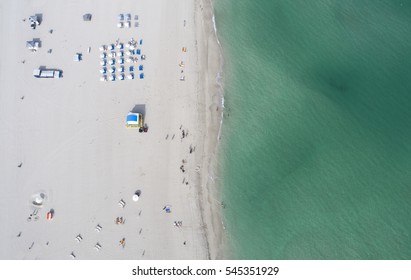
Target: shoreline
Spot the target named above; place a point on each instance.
(210, 193)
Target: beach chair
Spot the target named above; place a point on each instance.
(121, 203)
(97, 246)
(79, 238)
(141, 42)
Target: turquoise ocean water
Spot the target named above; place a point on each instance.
(316, 143)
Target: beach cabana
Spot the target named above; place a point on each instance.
(32, 45)
(87, 17)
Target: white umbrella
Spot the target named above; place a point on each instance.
(103, 78)
(103, 63)
(120, 46)
(121, 77)
(112, 54)
(120, 25)
(112, 61)
(112, 77)
(135, 197)
(102, 48)
(103, 55)
(112, 70)
(103, 70)
(129, 59)
(130, 76)
(128, 53)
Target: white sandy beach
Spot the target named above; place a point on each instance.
(70, 138)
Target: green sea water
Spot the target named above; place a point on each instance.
(316, 141)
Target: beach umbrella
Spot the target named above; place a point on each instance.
(127, 24)
(113, 77)
(130, 76)
(120, 17)
(112, 70)
(121, 77)
(128, 52)
(103, 78)
(121, 68)
(112, 54)
(127, 17)
(129, 59)
(128, 45)
(120, 53)
(103, 63)
(120, 61)
(120, 46)
(103, 55)
(102, 48)
(112, 62)
(132, 47)
(120, 25)
(112, 47)
(103, 70)
(135, 197)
